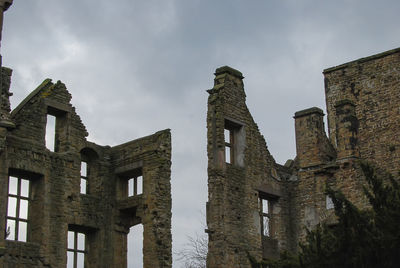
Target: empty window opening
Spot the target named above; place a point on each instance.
(50, 132)
(130, 183)
(17, 209)
(135, 246)
(84, 177)
(234, 142)
(329, 202)
(135, 186)
(56, 129)
(83, 186)
(265, 215)
(76, 249)
(89, 183)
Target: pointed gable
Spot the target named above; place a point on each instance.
(30, 117)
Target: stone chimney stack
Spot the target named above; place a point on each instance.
(346, 130)
(312, 146)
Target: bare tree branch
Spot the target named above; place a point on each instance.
(194, 253)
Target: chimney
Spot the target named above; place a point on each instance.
(312, 146)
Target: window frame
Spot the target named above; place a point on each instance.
(265, 215)
(17, 219)
(229, 144)
(124, 174)
(236, 142)
(75, 250)
(135, 180)
(84, 178)
(272, 197)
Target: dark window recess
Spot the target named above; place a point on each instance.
(234, 143)
(135, 185)
(131, 183)
(88, 171)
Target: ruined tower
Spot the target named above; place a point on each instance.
(248, 201)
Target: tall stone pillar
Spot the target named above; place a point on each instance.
(5, 123)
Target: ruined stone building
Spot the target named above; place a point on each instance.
(258, 207)
(72, 204)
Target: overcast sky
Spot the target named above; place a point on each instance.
(136, 67)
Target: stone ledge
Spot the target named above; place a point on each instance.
(56, 108)
(130, 202)
(313, 110)
(268, 191)
(229, 70)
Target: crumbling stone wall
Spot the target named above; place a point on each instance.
(363, 114)
(372, 85)
(362, 100)
(56, 205)
(233, 209)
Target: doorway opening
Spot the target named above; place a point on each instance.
(135, 246)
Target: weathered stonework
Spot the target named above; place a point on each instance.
(233, 214)
(372, 85)
(105, 213)
(362, 100)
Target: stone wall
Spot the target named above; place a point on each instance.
(362, 100)
(56, 205)
(372, 86)
(363, 113)
(236, 184)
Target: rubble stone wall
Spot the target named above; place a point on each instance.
(56, 205)
(233, 210)
(362, 99)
